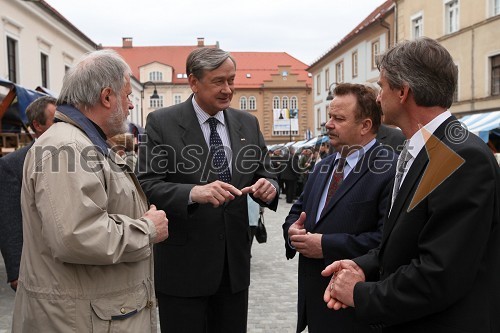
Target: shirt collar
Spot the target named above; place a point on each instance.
(353, 159)
(418, 140)
(203, 116)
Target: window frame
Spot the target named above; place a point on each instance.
(12, 46)
(417, 21)
(276, 102)
(339, 72)
(252, 103)
(375, 50)
(452, 23)
(495, 75)
(355, 63)
(243, 103)
(44, 69)
(318, 84)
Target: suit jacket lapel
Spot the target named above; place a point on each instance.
(348, 183)
(193, 137)
(320, 181)
(237, 141)
(411, 181)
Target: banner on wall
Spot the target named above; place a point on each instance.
(285, 120)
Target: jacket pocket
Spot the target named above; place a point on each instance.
(108, 310)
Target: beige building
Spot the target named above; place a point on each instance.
(352, 59)
(267, 84)
(470, 30)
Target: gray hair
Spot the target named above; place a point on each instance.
(206, 59)
(95, 71)
(36, 110)
(423, 65)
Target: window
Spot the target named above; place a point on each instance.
(156, 76)
(417, 26)
(252, 103)
(318, 118)
(276, 102)
(339, 72)
(451, 12)
(44, 62)
(156, 102)
(375, 53)
(495, 75)
(318, 84)
(496, 7)
(243, 103)
(355, 64)
(293, 102)
(12, 59)
(327, 79)
(177, 99)
(284, 102)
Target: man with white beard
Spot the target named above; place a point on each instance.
(87, 261)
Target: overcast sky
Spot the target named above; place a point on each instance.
(305, 29)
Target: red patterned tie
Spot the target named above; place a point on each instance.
(337, 178)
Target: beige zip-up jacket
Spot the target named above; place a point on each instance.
(87, 255)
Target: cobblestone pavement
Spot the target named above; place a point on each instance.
(273, 289)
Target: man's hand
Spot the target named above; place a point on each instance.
(297, 228)
(216, 193)
(340, 291)
(160, 221)
(309, 245)
(262, 189)
(13, 284)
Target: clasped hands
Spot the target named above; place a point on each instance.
(217, 193)
(339, 293)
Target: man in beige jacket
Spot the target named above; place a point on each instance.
(87, 255)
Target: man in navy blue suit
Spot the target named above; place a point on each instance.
(40, 117)
(341, 210)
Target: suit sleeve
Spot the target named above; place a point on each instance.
(152, 171)
(451, 247)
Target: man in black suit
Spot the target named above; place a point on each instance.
(438, 265)
(323, 226)
(40, 117)
(202, 272)
(391, 137)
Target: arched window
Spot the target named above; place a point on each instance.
(284, 102)
(243, 103)
(293, 102)
(276, 102)
(252, 105)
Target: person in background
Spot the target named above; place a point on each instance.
(201, 160)
(437, 267)
(86, 264)
(290, 174)
(341, 211)
(40, 115)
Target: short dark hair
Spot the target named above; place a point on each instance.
(36, 110)
(366, 98)
(206, 59)
(423, 65)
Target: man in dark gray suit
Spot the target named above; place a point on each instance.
(200, 161)
(391, 137)
(40, 117)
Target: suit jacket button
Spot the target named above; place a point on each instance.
(381, 271)
(122, 310)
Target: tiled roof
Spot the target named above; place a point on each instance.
(378, 13)
(173, 56)
(260, 65)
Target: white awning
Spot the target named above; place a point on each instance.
(482, 123)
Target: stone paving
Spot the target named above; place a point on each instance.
(273, 289)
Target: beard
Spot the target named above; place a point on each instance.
(117, 122)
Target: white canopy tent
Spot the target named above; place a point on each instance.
(482, 123)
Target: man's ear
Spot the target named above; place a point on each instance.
(193, 83)
(366, 126)
(404, 92)
(105, 93)
(36, 127)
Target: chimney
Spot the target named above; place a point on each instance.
(201, 41)
(127, 42)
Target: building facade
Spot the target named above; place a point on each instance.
(470, 30)
(352, 59)
(267, 84)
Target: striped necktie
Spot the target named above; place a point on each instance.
(337, 178)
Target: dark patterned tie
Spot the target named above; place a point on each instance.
(219, 160)
(337, 178)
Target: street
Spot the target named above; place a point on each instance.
(273, 289)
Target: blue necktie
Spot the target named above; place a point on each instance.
(219, 160)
